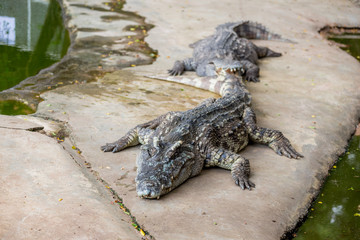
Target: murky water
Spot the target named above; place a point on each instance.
(12, 107)
(350, 43)
(32, 37)
(336, 212)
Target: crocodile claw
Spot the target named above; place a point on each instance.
(244, 183)
(283, 147)
(111, 147)
(107, 148)
(177, 69)
(174, 72)
(252, 79)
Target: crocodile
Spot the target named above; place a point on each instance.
(231, 40)
(178, 145)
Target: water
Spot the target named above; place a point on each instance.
(32, 37)
(335, 214)
(350, 43)
(12, 107)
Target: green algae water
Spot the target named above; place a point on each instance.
(12, 107)
(32, 37)
(336, 212)
(350, 43)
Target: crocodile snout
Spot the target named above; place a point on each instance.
(148, 189)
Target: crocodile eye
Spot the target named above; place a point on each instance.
(152, 151)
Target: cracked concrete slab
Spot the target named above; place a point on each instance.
(311, 94)
(46, 195)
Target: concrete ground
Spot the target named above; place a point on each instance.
(70, 190)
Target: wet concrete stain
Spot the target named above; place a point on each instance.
(90, 57)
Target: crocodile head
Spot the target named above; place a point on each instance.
(162, 166)
(227, 65)
(228, 70)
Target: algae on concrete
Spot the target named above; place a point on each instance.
(104, 37)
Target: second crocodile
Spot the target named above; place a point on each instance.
(229, 41)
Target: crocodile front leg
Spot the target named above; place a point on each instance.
(273, 138)
(251, 71)
(239, 166)
(138, 135)
(181, 66)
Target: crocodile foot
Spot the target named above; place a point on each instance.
(113, 147)
(177, 69)
(282, 146)
(252, 79)
(240, 172)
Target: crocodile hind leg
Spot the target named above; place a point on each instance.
(266, 52)
(239, 166)
(273, 138)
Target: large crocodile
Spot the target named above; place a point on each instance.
(177, 145)
(229, 41)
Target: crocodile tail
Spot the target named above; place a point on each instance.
(212, 84)
(222, 85)
(254, 30)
